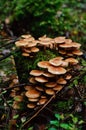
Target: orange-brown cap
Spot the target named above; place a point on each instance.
(72, 61)
(59, 39)
(41, 79)
(31, 105)
(49, 91)
(56, 61)
(36, 72)
(58, 87)
(77, 52)
(32, 93)
(50, 84)
(42, 101)
(56, 70)
(43, 64)
(61, 81)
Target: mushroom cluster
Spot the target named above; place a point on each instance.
(28, 45)
(51, 75)
(50, 78)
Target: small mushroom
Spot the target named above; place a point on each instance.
(61, 81)
(49, 91)
(57, 61)
(56, 70)
(58, 87)
(32, 80)
(39, 88)
(32, 93)
(43, 64)
(68, 76)
(59, 40)
(50, 84)
(72, 61)
(36, 72)
(41, 79)
(31, 105)
(42, 101)
(25, 54)
(47, 74)
(77, 52)
(33, 99)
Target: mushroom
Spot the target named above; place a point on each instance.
(49, 91)
(59, 40)
(77, 52)
(50, 84)
(39, 88)
(32, 80)
(58, 87)
(32, 93)
(21, 43)
(61, 81)
(33, 99)
(41, 79)
(28, 87)
(72, 61)
(34, 49)
(56, 70)
(76, 45)
(31, 105)
(36, 72)
(42, 101)
(57, 61)
(68, 76)
(43, 64)
(25, 54)
(47, 74)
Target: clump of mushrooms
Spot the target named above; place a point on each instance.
(53, 74)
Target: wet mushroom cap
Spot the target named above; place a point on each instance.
(56, 70)
(41, 79)
(36, 72)
(43, 64)
(32, 93)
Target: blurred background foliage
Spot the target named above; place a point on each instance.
(54, 18)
